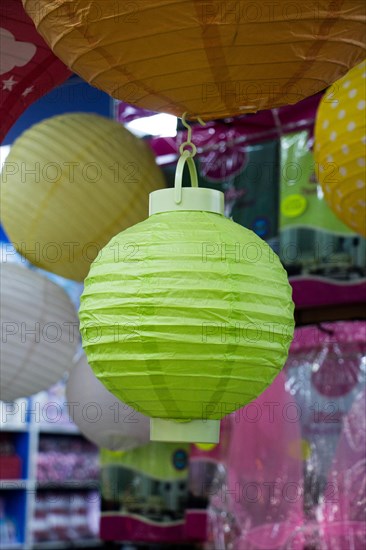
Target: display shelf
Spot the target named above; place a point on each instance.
(54, 545)
(342, 312)
(12, 546)
(4, 427)
(59, 430)
(26, 435)
(16, 484)
(68, 485)
(14, 455)
(14, 506)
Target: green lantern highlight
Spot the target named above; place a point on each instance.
(186, 316)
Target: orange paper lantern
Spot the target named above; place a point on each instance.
(210, 59)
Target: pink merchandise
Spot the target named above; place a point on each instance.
(69, 459)
(261, 502)
(69, 516)
(293, 476)
(343, 516)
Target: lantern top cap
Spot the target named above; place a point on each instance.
(206, 200)
(187, 198)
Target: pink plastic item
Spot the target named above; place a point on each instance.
(264, 490)
(343, 511)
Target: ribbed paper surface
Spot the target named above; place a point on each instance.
(69, 184)
(209, 58)
(193, 319)
(39, 332)
(340, 148)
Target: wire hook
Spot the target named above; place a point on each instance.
(189, 142)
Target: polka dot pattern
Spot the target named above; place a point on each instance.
(340, 136)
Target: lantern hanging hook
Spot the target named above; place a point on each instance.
(187, 151)
(193, 150)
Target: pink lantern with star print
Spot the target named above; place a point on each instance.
(28, 68)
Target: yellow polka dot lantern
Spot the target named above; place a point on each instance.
(340, 147)
(69, 184)
(195, 318)
(212, 59)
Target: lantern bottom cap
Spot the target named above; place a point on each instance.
(195, 431)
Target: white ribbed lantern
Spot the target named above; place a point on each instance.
(39, 328)
(100, 416)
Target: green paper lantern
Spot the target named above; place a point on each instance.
(186, 316)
